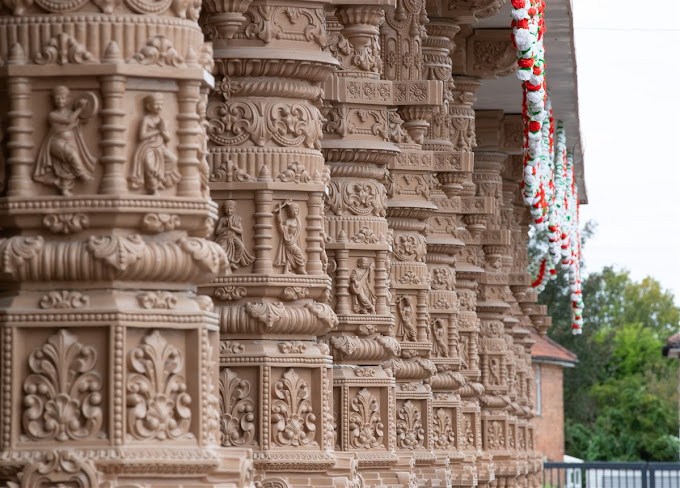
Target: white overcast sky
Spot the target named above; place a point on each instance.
(628, 56)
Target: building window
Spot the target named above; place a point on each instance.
(537, 375)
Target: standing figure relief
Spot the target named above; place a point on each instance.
(229, 234)
(289, 254)
(440, 349)
(363, 298)
(494, 372)
(154, 166)
(64, 157)
(406, 331)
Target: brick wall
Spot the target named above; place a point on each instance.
(550, 423)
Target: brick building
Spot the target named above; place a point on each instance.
(549, 359)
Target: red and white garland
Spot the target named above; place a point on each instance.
(549, 187)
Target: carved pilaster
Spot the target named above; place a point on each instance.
(109, 364)
(267, 174)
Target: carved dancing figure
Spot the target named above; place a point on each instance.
(407, 331)
(494, 372)
(360, 287)
(439, 333)
(289, 254)
(229, 234)
(63, 157)
(154, 165)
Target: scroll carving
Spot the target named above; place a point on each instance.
(63, 392)
(62, 49)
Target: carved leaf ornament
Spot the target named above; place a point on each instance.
(366, 427)
(63, 393)
(292, 412)
(410, 431)
(237, 424)
(442, 431)
(157, 401)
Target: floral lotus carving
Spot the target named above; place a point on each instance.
(365, 424)
(410, 431)
(292, 412)
(63, 392)
(237, 423)
(157, 401)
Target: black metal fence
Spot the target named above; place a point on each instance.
(611, 475)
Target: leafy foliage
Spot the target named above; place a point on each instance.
(621, 399)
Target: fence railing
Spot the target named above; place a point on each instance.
(611, 475)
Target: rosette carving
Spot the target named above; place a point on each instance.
(63, 392)
(157, 401)
(238, 410)
(292, 411)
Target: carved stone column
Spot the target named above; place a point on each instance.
(357, 241)
(414, 101)
(109, 358)
(267, 175)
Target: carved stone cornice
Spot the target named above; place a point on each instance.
(464, 11)
(484, 53)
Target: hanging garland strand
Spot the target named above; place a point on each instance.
(549, 185)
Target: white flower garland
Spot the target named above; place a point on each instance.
(549, 187)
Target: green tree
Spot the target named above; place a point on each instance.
(621, 399)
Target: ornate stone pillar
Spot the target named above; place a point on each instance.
(109, 363)
(414, 100)
(267, 175)
(357, 153)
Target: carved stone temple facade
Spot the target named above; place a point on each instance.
(272, 243)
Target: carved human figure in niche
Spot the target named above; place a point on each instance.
(154, 166)
(63, 157)
(407, 331)
(462, 349)
(289, 254)
(229, 234)
(440, 349)
(360, 287)
(203, 166)
(494, 372)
